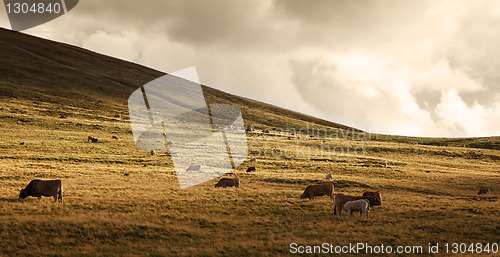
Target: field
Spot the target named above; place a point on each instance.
(429, 189)
(429, 193)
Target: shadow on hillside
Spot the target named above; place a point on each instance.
(337, 184)
(9, 200)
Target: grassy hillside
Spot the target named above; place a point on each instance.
(429, 188)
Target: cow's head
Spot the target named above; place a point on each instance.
(304, 195)
(376, 201)
(23, 194)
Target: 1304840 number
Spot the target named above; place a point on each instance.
(25, 8)
(471, 248)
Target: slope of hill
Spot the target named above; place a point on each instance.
(67, 76)
(47, 71)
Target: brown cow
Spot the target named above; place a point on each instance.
(228, 182)
(484, 191)
(38, 188)
(250, 169)
(318, 190)
(341, 199)
(115, 137)
(373, 193)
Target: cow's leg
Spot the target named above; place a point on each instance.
(39, 197)
(349, 213)
(339, 211)
(55, 198)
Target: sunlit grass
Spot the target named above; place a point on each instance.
(429, 194)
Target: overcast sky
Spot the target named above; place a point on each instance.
(422, 68)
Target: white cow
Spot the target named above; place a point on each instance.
(329, 176)
(362, 205)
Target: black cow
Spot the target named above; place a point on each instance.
(38, 188)
(250, 169)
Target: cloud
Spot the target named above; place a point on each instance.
(426, 68)
(123, 45)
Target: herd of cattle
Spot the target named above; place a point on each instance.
(344, 202)
(362, 204)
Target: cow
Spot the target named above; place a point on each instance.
(318, 190)
(92, 139)
(329, 176)
(193, 167)
(115, 137)
(361, 205)
(253, 160)
(373, 193)
(484, 191)
(250, 169)
(38, 188)
(228, 182)
(341, 199)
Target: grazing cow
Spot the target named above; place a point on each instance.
(341, 199)
(115, 137)
(361, 205)
(38, 188)
(329, 176)
(92, 139)
(318, 190)
(228, 182)
(253, 160)
(374, 194)
(193, 167)
(484, 191)
(250, 169)
(152, 152)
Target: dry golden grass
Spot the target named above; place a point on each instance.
(429, 194)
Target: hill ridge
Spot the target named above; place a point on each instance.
(93, 75)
